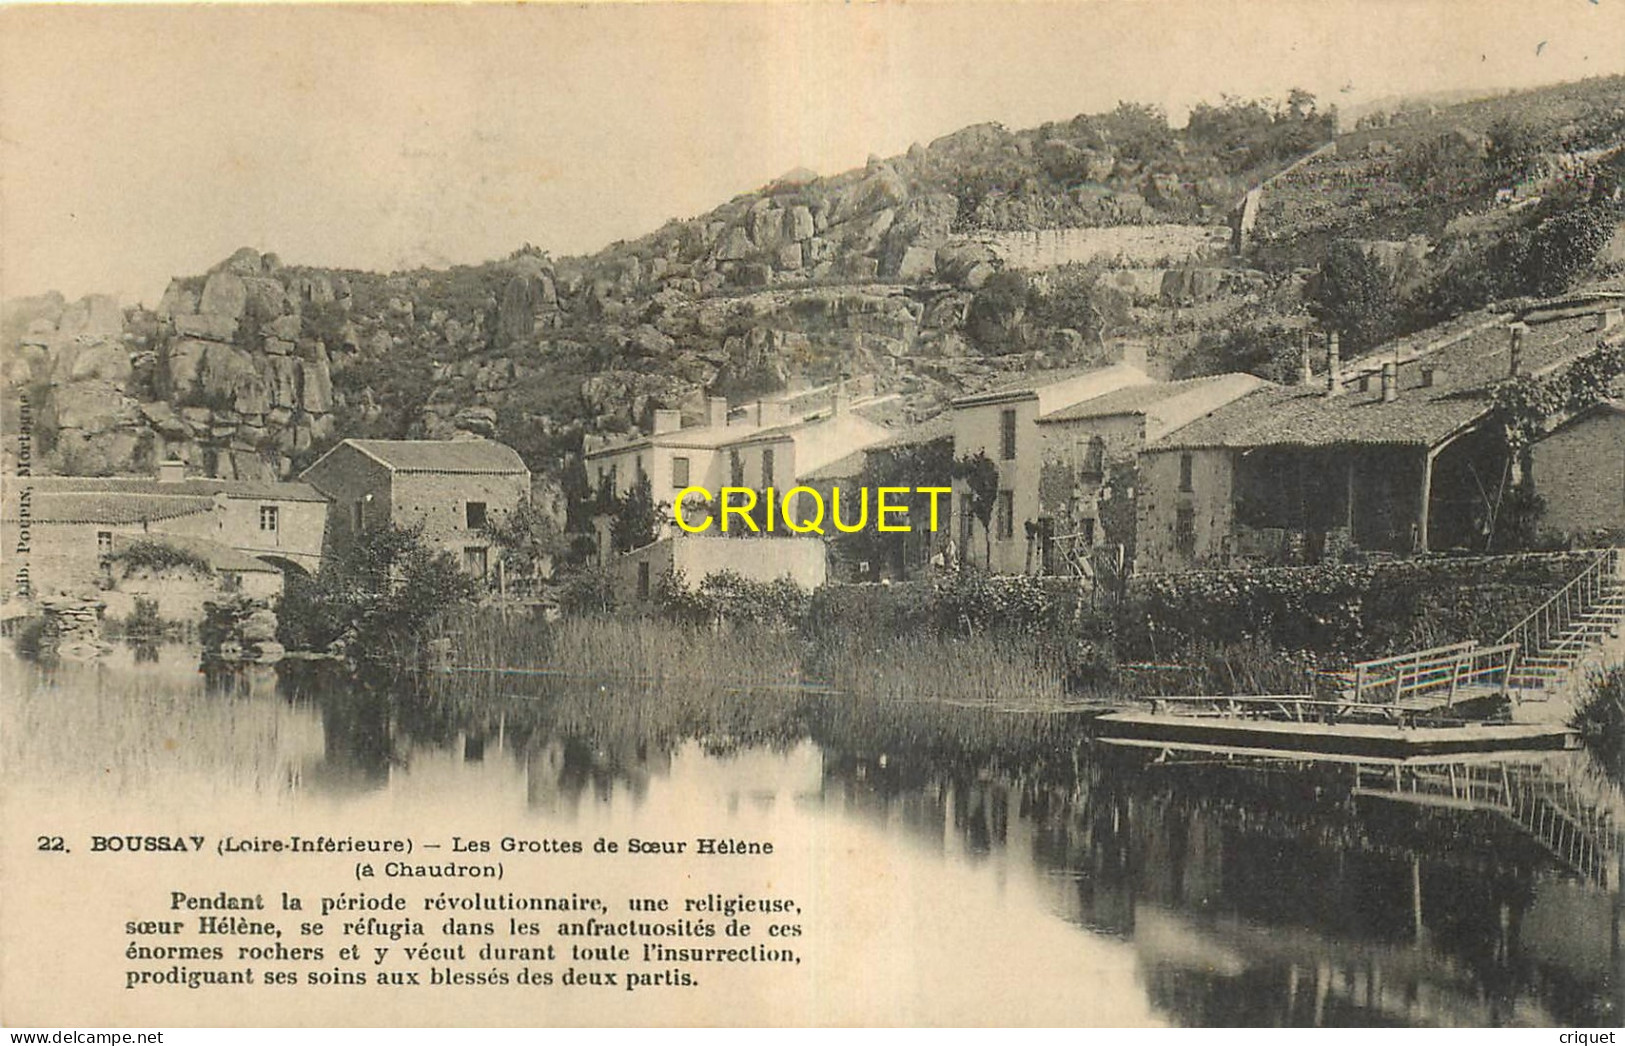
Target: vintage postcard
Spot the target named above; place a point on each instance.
(1086, 514)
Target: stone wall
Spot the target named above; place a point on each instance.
(1143, 245)
(73, 627)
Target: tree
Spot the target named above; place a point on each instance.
(526, 540)
(924, 465)
(1351, 294)
(637, 519)
(378, 595)
(995, 310)
(1565, 245)
(981, 478)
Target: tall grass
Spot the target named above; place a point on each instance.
(977, 669)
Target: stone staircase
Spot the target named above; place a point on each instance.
(1567, 634)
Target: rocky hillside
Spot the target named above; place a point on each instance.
(931, 273)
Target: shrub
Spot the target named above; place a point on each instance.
(1600, 719)
(144, 622)
(379, 595)
(777, 605)
(158, 556)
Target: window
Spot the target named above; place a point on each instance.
(1006, 514)
(474, 561)
(643, 580)
(104, 543)
(679, 472)
(736, 469)
(358, 516)
(1007, 435)
(474, 515)
(268, 518)
(637, 468)
(1092, 460)
(767, 467)
(1185, 530)
(1185, 483)
(1089, 532)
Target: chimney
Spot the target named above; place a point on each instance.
(1390, 381)
(1428, 370)
(1132, 353)
(837, 399)
(1334, 367)
(171, 470)
(1307, 372)
(716, 412)
(1515, 348)
(1610, 318)
(668, 421)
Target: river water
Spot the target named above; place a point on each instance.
(951, 867)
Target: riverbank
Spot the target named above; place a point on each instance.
(1021, 643)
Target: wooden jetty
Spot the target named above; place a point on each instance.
(1352, 741)
(1396, 707)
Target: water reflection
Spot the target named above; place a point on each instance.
(1246, 894)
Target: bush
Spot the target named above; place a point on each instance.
(378, 595)
(158, 556)
(587, 589)
(777, 605)
(1600, 719)
(1348, 612)
(144, 622)
(1564, 246)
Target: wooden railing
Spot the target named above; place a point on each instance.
(1559, 614)
(1436, 672)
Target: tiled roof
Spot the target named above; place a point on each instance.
(1616, 407)
(103, 506)
(1026, 381)
(928, 431)
(841, 468)
(256, 491)
(1138, 399)
(218, 556)
(1465, 371)
(443, 455)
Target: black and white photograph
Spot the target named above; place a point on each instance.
(1090, 514)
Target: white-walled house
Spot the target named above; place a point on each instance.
(767, 443)
(1002, 422)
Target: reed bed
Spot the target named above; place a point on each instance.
(976, 670)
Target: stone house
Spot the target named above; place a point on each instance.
(1089, 453)
(1578, 469)
(179, 593)
(1002, 423)
(1393, 454)
(452, 488)
(75, 524)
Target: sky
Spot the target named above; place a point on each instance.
(142, 142)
